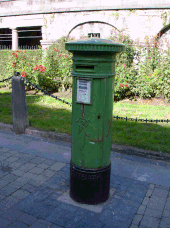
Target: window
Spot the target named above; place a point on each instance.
(5, 38)
(29, 37)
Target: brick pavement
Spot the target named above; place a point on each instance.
(32, 178)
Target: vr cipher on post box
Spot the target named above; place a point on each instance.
(92, 105)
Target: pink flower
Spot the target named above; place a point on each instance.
(121, 85)
(23, 74)
(59, 54)
(124, 65)
(149, 57)
(66, 56)
(126, 86)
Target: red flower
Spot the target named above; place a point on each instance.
(66, 56)
(13, 53)
(16, 55)
(126, 86)
(13, 64)
(23, 74)
(124, 65)
(59, 54)
(149, 57)
(57, 50)
(121, 85)
(40, 68)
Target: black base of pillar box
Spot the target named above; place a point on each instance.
(89, 186)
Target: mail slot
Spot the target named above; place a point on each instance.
(84, 68)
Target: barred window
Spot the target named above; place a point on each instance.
(29, 37)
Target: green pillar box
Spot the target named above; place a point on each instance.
(92, 104)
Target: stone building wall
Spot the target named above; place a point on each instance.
(76, 18)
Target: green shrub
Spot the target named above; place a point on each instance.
(153, 77)
(29, 64)
(59, 63)
(149, 78)
(125, 68)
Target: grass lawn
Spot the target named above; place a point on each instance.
(51, 115)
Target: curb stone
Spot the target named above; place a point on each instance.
(122, 149)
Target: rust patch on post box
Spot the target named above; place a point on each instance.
(82, 110)
(109, 123)
(94, 140)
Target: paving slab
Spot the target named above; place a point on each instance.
(34, 188)
(65, 197)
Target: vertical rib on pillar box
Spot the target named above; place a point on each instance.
(19, 106)
(92, 105)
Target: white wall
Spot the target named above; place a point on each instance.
(69, 13)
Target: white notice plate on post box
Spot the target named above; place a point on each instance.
(83, 91)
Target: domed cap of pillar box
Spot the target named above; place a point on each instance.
(94, 45)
